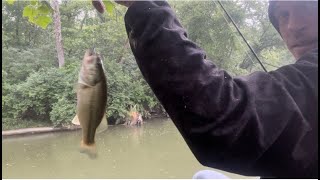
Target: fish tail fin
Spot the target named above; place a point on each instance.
(89, 149)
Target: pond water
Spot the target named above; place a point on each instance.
(154, 150)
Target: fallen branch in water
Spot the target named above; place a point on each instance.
(39, 130)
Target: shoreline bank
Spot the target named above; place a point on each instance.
(37, 130)
(40, 130)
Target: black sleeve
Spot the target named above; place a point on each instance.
(229, 123)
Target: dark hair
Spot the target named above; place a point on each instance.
(272, 18)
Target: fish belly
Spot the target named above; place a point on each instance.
(90, 110)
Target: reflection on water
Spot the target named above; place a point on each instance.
(154, 150)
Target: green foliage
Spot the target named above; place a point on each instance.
(126, 90)
(18, 33)
(19, 63)
(39, 13)
(36, 97)
(62, 112)
(37, 93)
(10, 1)
(207, 26)
(5, 90)
(8, 123)
(34, 89)
(213, 31)
(49, 93)
(109, 6)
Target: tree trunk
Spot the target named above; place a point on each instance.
(57, 32)
(17, 27)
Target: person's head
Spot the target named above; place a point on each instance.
(297, 23)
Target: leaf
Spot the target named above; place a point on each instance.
(109, 6)
(10, 1)
(43, 21)
(47, 4)
(34, 2)
(38, 14)
(27, 11)
(44, 9)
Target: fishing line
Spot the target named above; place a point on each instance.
(246, 52)
(244, 39)
(241, 45)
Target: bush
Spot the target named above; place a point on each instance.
(19, 63)
(8, 123)
(36, 97)
(49, 95)
(62, 112)
(126, 89)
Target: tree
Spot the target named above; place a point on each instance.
(57, 32)
(34, 88)
(212, 30)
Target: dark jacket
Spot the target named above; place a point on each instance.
(263, 124)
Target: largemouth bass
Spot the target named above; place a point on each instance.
(91, 99)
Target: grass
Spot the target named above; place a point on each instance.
(11, 124)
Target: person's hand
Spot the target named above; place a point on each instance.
(125, 3)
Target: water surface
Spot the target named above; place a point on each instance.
(154, 150)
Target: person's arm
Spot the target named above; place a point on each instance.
(228, 123)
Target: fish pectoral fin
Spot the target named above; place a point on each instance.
(103, 125)
(75, 120)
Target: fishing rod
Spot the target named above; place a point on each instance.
(244, 39)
